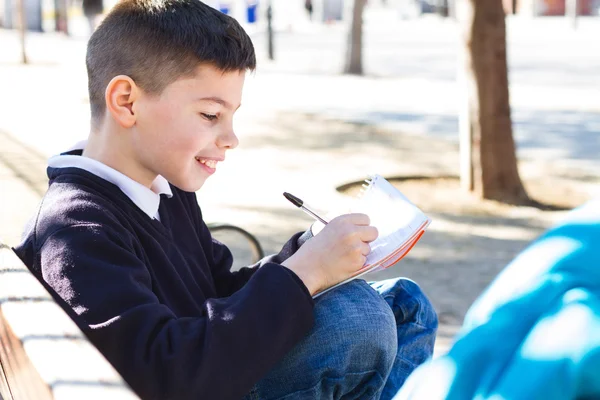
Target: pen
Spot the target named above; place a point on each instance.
(300, 204)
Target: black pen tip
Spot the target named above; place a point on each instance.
(295, 201)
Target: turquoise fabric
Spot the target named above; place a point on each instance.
(535, 332)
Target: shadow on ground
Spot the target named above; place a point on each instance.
(551, 134)
(28, 165)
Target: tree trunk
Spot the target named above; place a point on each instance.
(61, 20)
(354, 46)
(270, 30)
(442, 8)
(491, 169)
(22, 17)
(572, 11)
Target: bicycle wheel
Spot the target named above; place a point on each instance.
(245, 246)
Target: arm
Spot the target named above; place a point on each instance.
(220, 258)
(228, 282)
(317, 262)
(162, 356)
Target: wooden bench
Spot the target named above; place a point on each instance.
(43, 354)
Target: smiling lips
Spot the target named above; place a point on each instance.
(209, 163)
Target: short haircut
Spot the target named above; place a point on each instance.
(156, 42)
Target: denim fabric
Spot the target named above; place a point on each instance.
(416, 322)
(364, 344)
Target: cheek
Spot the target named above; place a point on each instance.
(153, 138)
(163, 116)
(152, 121)
(171, 134)
(164, 125)
(185, 140)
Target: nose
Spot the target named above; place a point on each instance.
(228, 139)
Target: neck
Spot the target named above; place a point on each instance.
(113, 148)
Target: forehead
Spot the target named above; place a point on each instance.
(209, 81)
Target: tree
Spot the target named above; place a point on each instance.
(442, 8)
(488, 159)
(572, 10)
(61, 21)
(354, 46)
(270, 30)
(22, 18)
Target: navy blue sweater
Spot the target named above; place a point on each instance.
(158, 297)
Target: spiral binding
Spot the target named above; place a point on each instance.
(369, 182)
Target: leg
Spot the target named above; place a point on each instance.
(348, 354)
(416, 322)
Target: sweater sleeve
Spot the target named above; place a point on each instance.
(220, 354)
(220, 258)
(228, 282)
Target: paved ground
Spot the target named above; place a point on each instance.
(306, 129)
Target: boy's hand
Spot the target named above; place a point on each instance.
(335, 254)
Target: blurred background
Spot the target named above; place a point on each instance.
(485, 113)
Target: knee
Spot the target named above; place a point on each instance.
(408, 302)
(362, 326)
(351, 348)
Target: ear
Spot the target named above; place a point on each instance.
(120, 95)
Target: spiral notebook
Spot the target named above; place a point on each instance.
(400, 224)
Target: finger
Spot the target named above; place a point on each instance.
(367, 233)
(365, 249)
(334, 214)
(363, 262)
(358, 219)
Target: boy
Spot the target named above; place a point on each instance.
(120, 241)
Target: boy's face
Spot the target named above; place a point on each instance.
(185, 131)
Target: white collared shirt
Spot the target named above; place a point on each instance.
(147, 199)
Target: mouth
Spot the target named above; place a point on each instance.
(209, 165)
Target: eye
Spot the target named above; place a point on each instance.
(210, 117)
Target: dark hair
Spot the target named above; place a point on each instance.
(156, 42)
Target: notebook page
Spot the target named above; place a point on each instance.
(396, 218)
(394, 257)
(400, 224)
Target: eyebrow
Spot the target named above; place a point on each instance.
(219, 101)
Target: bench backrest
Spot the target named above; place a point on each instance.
(43, 354)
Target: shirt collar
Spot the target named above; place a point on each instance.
(147, 199)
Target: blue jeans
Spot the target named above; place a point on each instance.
(364, 344)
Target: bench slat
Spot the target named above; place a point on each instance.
(43, 353)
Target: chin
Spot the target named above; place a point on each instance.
(188, 185)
